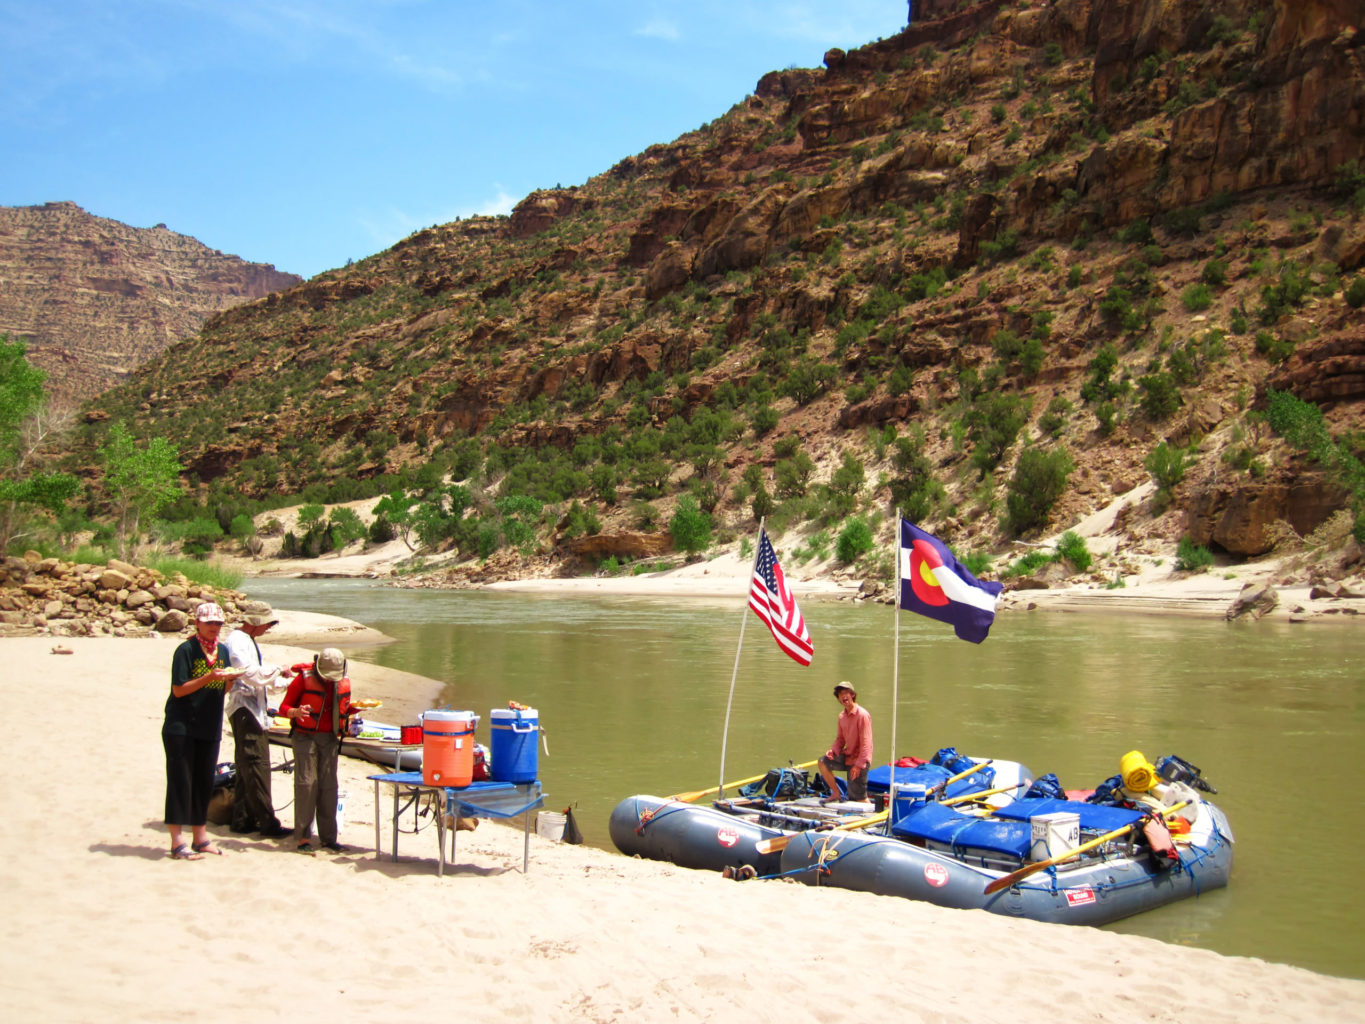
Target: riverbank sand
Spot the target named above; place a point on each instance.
(103, 925)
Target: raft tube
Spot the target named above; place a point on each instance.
(1091, 892)
(690, 836)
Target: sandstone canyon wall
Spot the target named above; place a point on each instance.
(95, 298)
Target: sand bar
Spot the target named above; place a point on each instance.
(102, 925)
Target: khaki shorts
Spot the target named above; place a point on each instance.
(857, 788)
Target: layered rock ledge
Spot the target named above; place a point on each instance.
(50, 596)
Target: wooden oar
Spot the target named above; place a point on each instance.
(687, 798)
(1005, 881)
(780, 842)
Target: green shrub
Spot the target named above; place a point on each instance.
(690, 527)
(1215, 273)
(855, 540)
(1038, 481)
(1183, 221)
(1167, 464)
(993, 423)
(1136, 232)
(1355, 293)
(763, 504)
(1197, 297)
(1055, 418)
(243, 527)
(1298, 422)
(1273, 347)
(1192, 557)
(1117, 306)
(381, 530)
(196, 536)
(1106, 417)
(345, 525)
(1160, 395)
(1032, 560)
(1072, 547)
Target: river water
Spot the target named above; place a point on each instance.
(632, 696)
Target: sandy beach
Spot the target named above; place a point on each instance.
(105, 926)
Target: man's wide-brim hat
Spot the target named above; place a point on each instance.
(259, 614)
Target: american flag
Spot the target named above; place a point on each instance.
(774, 604)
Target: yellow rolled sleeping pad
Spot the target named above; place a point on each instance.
(1139, 774)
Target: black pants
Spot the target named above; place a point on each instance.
(252, 807)
(189, 778)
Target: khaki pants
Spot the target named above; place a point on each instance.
(315, 784)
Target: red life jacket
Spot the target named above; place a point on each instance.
(316, 701)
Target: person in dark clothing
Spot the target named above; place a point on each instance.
(191, 731)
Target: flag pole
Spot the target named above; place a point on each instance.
(725, 736)
(895, 657)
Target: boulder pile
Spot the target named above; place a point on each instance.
(47, 596)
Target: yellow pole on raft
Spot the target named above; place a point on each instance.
(1005, 881)
(687, 798)
(780, 842)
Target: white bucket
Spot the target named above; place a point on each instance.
(1054, 834)
(550, 825)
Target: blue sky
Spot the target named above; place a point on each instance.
(304, 133)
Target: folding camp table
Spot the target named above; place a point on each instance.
(477, 800)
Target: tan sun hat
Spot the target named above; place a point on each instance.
(330, 664)
(260, 615)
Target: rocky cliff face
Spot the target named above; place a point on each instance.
(96, 298)
(1161, 200)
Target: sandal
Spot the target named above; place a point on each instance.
(306, 847)
(207, 847)
(185, 852)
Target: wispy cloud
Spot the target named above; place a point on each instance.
(659, 28)
(339, 32)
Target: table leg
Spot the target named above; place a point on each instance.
(395, 824)
(525, 841)
(376, 820)
(441, 841)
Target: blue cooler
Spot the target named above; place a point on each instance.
(514, 735)
(906, 798)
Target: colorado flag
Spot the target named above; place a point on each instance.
(936, 584)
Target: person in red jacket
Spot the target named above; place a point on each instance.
(318, 706)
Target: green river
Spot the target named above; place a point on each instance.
(632, 694)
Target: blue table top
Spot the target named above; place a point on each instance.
(415, 779)
(478, 799)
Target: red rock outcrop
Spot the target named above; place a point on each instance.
(96, 298)
(1234, 514)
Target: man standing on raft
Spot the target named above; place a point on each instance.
(852, 750)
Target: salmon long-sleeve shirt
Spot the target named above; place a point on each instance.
(853, 741)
